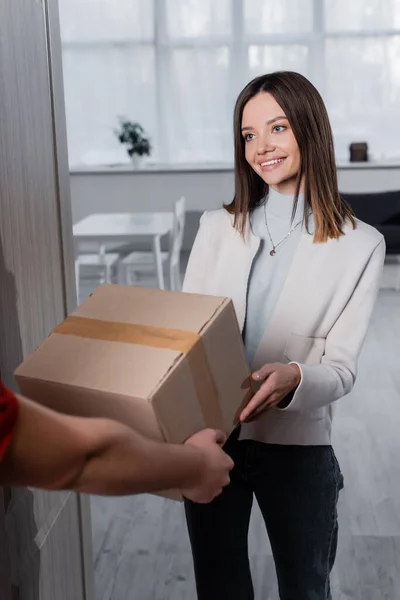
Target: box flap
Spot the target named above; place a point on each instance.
(174, 310)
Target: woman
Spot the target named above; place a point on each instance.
(41, 448)
(303, 275)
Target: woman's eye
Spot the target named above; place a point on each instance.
(249, 136)
(279, 128)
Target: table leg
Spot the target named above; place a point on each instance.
(158, 259)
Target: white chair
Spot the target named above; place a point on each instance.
(139, 267)
(94, 266)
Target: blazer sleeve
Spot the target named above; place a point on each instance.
(322, 384)
(196, 273)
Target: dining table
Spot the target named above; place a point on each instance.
(123, 228)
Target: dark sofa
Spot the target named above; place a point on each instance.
(382, 210)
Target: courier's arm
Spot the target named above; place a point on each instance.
(54, 451)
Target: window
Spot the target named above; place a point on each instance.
(177, 66)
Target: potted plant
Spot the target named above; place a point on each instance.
(133, 135)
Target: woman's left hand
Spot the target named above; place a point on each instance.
(278, 381)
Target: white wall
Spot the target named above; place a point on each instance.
(124, 190)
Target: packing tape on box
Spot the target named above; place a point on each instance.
(187, 342)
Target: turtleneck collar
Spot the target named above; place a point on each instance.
(281, 205)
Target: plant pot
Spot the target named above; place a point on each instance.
(137, 161)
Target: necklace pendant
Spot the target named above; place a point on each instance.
(273, 252)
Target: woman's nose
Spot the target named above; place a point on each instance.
(264, 147)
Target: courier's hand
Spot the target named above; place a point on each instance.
(278, 381)
(213, 472)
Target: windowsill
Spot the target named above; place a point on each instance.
(208, 168)
(381, 164)
(150, 169)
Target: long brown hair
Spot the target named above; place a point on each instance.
(308, 118)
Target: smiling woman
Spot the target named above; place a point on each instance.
(303, 275)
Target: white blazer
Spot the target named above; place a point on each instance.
(320, 321)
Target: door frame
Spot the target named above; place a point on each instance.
(67, 253)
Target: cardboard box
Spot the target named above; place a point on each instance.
(167, 364)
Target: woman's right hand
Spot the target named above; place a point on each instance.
(214, 467)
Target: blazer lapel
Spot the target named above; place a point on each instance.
(240, 260)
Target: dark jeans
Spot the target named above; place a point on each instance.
(297, 490)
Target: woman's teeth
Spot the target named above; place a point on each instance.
(272, 162)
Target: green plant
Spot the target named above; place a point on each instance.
(133, 135)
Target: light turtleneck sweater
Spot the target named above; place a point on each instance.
(268, 273)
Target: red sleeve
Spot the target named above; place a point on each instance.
(8, 417)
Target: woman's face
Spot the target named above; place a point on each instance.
(270, 146)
